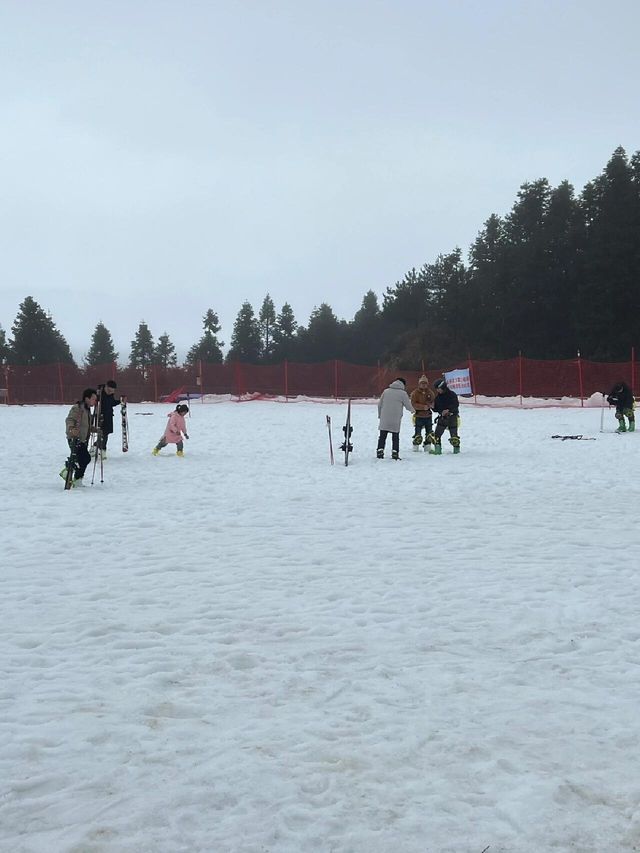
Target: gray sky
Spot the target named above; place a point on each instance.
(162, 157)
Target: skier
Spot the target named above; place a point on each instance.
(447, 406)
(390, 405)
(78, 428)
(422, 399)
(176, 428)
(621, 397)
(108, 402)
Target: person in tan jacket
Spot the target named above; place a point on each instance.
(422, 401)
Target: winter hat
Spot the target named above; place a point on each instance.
(182, 409)
(423, 379)
(400, 379)
(440, 384)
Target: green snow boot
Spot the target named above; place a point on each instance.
(632, 426)
(437, 449)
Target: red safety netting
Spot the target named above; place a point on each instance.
(525, 377)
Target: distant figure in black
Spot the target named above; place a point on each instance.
(108, 401)
(447, 407)
(621, 397)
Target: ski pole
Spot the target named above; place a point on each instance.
(330, 439)
(602, 415)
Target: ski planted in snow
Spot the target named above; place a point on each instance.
(330, 439)
(347, 429)
(71, 464)
(125, 427)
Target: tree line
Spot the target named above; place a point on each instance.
(559, 273)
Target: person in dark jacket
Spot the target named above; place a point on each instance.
(447, 408)
(621, 397)
(78, 428)
(108, 401)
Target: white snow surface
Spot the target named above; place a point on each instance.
(249, 650)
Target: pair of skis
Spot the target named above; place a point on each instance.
(346, 445)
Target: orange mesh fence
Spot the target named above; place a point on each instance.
(64, 383)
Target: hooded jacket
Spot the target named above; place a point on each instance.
(448, 400)
(391, 404)
(175, 428)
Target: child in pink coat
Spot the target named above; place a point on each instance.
(174, 431)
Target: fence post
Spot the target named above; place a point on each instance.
(61, 383)
(473, 384)
(286, 381)
(520, 374)
(335, 378)
(238, 379)
(580, 379)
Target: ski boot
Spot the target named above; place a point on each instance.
(155, 451)
(380, 453)
(429, 441)
(395, 455)
(417, 442)
(455, 443)
(180, 453)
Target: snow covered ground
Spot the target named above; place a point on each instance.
(250, 651)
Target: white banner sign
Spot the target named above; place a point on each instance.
(459, 381)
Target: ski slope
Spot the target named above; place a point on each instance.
(251, 651)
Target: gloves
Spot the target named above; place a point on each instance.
(186, 436)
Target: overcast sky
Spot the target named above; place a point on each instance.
(162, 157)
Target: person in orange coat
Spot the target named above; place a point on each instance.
(422, 401)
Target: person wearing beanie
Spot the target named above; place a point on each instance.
(422, 399)
(175, 430)
(391, 404)
(447, 406)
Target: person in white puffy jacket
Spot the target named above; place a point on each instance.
(390, 407)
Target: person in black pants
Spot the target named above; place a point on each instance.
(108, 402)
(447, 407)
(621, 397)
(78, 429)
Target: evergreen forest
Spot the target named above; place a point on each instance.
(558, 274)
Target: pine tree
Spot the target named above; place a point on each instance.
(267, 319)
(208, 349)
(325, 336)
(102, 350)
(164, 353)
(4, 347)
(246, 343)
(609, 298)
(142, 348)
(36, 340)
(364, 345)
(284, 334)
